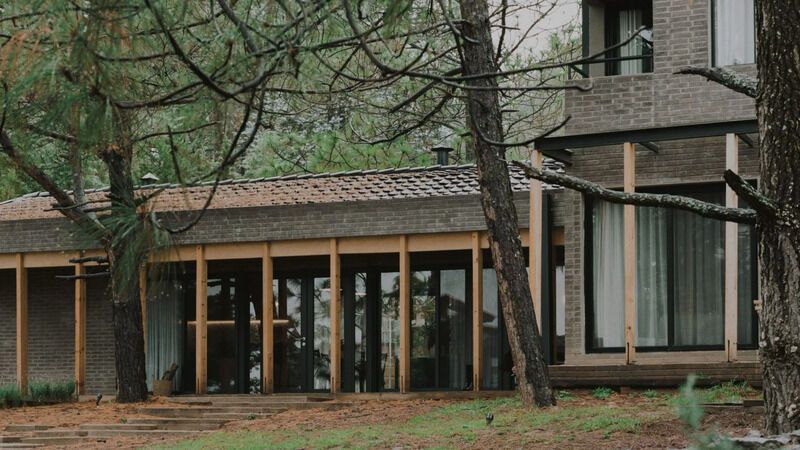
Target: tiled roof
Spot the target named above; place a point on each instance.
(432, 181)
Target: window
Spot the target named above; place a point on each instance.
(621, 23)
(680, 269)
(734, 32)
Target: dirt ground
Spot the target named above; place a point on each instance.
(656, 424)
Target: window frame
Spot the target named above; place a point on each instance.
(588, 275)
(611, 33)
(712, 25)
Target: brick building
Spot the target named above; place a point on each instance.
(394, 265)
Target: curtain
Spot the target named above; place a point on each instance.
(746, 292)
(608, 277)
(651, 277)
(630, 20)
(734, 32)
(165, 338)
(699, 268)
(453, 295)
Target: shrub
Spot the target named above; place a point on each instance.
(650, 393)
(59, 391)
(9, 396)
(602, 393)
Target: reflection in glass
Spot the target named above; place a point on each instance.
(221, 336)
(423, 331)
(289, 340)
(322, 333)
(360, 324)
(454, 359)
(390, 330)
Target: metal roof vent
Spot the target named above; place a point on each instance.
(442, 155)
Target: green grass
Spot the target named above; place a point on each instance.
(602, 393)
(730, 392)
(51, 391)
(454, 425)
(9, 396)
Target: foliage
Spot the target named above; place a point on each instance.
(564, 396)
(602, 393)
(690, 411)
(55, 391)
(10, 396)
(728, 392)
(650, 393)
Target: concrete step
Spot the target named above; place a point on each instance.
(167, 423)
(203, 411)
(19, 445)
(237, 416)
(117, 426)
(147, 433)
(10, 439)
(257, 405)
(206, 399)
(26, 427)
(61, 432)
(69, 440)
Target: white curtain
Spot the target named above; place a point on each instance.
(165, 339)
(630, 20)
(699, 267)
(651, 277)
(734, 28)
(608, 276)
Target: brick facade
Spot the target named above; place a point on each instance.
(8, 327)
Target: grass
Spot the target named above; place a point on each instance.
(730, 392)
(38, 391)
(10, 396)
(602, 393)
(454, 425)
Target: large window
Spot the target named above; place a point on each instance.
(622, 22)
(680, 276)
(734, 32)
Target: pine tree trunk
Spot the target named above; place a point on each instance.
(501, 216)
(123, 266)
(778, 107)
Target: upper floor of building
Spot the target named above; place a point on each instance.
(640, 44)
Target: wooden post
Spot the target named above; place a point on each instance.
(143, 301)
(268, 312)
(405, 315)
(731, 255)
(80, 330)
(629, 225)
(22, 324)
(477, 311)
(201, 321)
(535, 241)
(336, 294)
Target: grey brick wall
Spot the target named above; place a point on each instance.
(101, 375)
(51, 325)
(681, 37)
(345, 219)
(8, 327)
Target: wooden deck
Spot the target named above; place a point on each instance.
(654, 375)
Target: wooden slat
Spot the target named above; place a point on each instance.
(22, 323)
(201, 321)
(629, 225)
(268, 311)
(477, 311)
(436, 242)
(80, 330)
(368, 244)
(335, 310)
(731, 255)
(535, 239)
(405, 315)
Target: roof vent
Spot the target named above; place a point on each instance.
(442, 155)
(149, 178)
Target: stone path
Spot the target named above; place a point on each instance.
(187, 416)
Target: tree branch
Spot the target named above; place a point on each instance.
(705, 209)
(763, 205)
(736, 81)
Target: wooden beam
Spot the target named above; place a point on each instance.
(731, 255)
(477, 311)
(268, 311)
(80, 330)
(535, 240)
(201, 321)
(629, 251)
(22, 323)
(434, 242)
(335, 311)
(405, 315)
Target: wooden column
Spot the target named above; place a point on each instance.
(405, 315)
(80, 330)
(731, 255)
(335, 309)
(201, 321)
(22, 324)
(477, 311)
(143, 301)
(535, 245)
(268, 329)
(629, 226)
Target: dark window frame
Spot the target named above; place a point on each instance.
(611, 35)
(588, 275)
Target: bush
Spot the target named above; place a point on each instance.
(9, 396)
(602, 393)
(59, 391)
